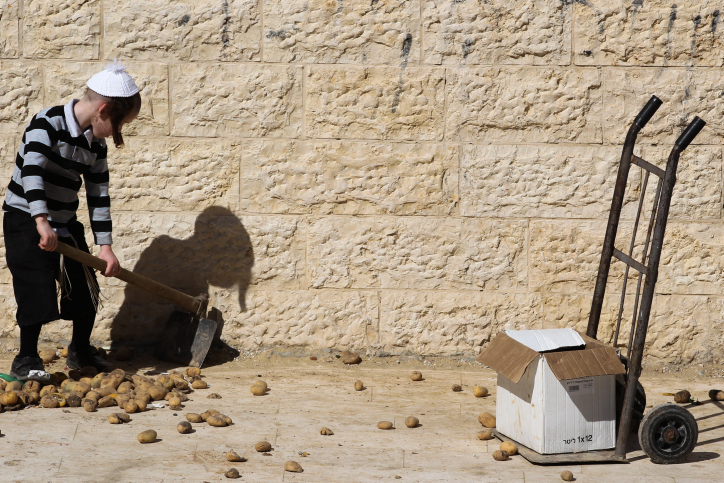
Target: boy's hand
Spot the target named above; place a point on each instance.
(113, 268)
(48, 238)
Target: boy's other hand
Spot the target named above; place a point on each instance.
(48, 238)
(113, 268)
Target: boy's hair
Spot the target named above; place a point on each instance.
(120, 108)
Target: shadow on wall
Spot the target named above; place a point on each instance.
(219, 254)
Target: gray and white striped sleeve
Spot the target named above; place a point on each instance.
(99, 201)
(39, 138)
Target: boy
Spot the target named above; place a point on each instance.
(60, 145)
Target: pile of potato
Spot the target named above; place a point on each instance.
(92, 390)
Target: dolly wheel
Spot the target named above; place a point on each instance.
(668, 433)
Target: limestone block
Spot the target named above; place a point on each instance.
(452, 323)
(237, 100)
(69, 80)
(342, 32)
(61, 29)
(336, 177)
(514, 104)
(651, 32)
(184, 30)
(21, 95)
(174, 175)
(564, 256)
(496, 32)
(315, 319)
(685, 93)
(8, 326)
(375, 103)
(698, 191)
(9, 28)
(417, 253)
(191, 251)
(692, 259)
(559, 181)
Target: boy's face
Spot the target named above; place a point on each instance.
(101, 123)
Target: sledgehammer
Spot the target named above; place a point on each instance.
(188, 336)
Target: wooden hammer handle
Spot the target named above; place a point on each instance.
(192, 304)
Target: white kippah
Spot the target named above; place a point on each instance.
(113, 81)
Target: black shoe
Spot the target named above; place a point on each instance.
(91, 357)
(29, 368)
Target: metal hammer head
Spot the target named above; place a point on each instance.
(203, 300)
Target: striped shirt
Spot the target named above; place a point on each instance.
(53, 156)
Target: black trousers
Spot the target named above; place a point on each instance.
(35, 272)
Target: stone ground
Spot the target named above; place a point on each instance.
(72, 445)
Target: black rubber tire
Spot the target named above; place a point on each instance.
(668, 434)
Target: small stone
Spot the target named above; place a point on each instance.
(457, 388)
(232, 473)
(349, 357)
(566, 476)
(263, 446)
(213, 395)
(293, 466)
(313, 358)
(416, 376)
(326, 432)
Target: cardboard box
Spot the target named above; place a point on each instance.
(556, 389)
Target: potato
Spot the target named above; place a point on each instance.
(47, 402)
(182, 385)
(500, 455)
(217, 420)
(3, 383)
(213, 395)
(263, 446)
(148, 436)
(566, 475)
(233, 473)
(416, 376)
(130, 407)
(194, 418)
(384, 425)
(184, 427)
(48, 356)
(163, 378)
(358, 386)
(457, 388)
(716, 395)
(487, 420)
(210, 412)
(31, 386)
(75, 375)
(141, 405)
(176, 393)
(86, 380)
(33, 398)
(60, 398)
(14, 386)
(138, 379)
(485, 435)
(50, 389)
(193, 371)
(125, 418)
(480, 391)
(105, 391)
(125, 387)
(114, 379)
(114, 419)
(90, 405)
(293, 466)
(64, 352)
(57, 377)
(227, 419)
(411, 421)
(143, 396)
(157, 393)
(93, 395)
(123, 353)
(508, 447)
(682, 397)
(258, 390)
(73, 401)
(199, 385)
(174, 403)
(24, 397)
(168, 385)
(262, 384)
(326, 432)
(122, 400)
(234, 457)
(69, 385)
(89, 371)
(106, 402)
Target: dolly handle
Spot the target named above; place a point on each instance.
(195, 305)
(648, 111)
(692, 130)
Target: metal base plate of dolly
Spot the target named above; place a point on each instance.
(666, 433)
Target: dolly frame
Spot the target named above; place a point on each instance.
(648, 271)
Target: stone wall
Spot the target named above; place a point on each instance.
(395, 176)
